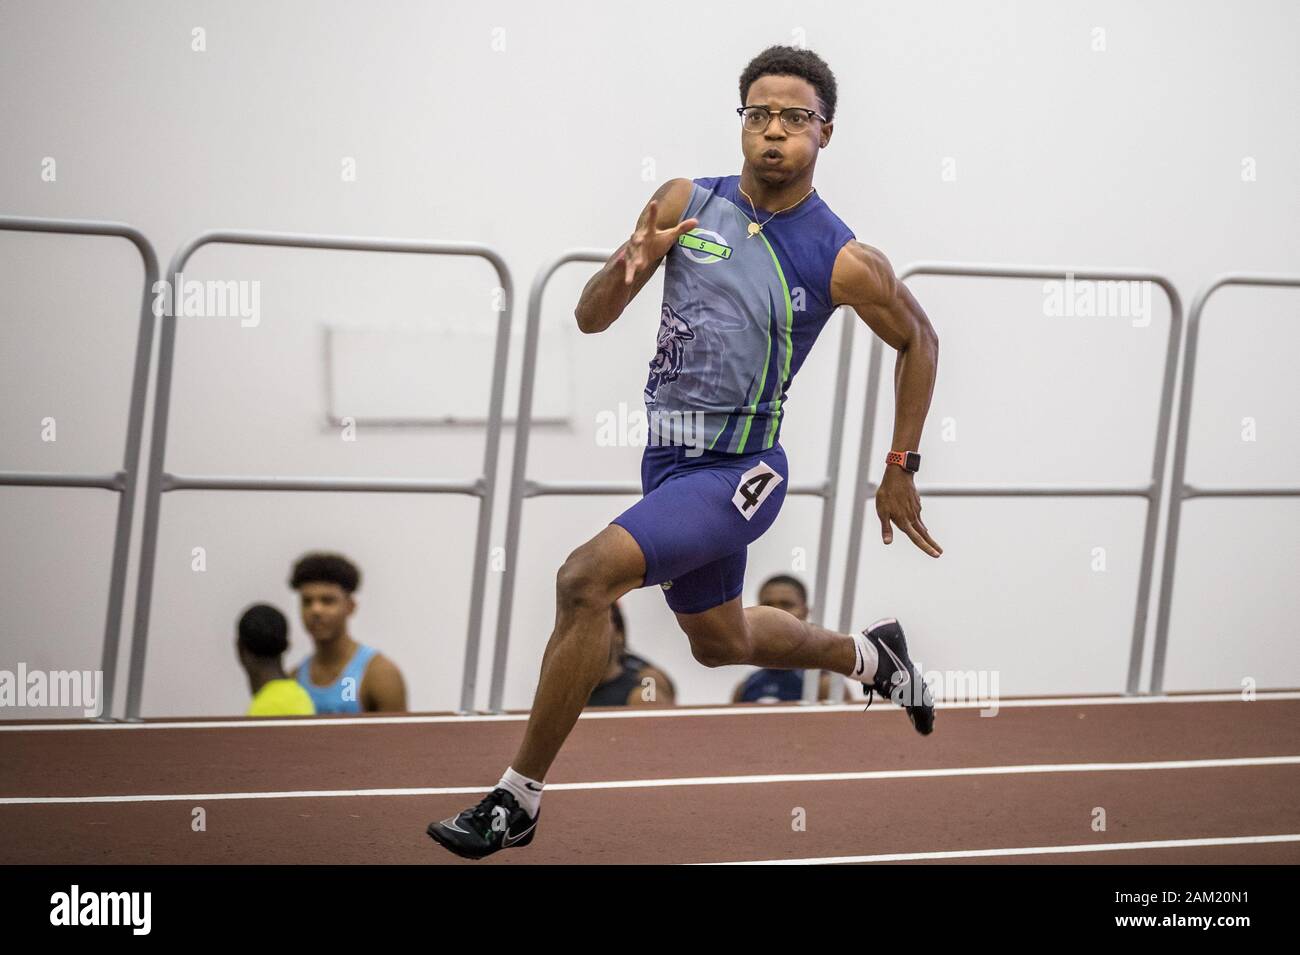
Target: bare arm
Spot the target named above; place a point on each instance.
(864, 279)
(630, 267)
(384, 689)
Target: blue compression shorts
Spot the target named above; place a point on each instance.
(697, 517)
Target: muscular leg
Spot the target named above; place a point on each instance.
(766, 637)
(591, 579)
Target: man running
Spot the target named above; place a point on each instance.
(756, 264)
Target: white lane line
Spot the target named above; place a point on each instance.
(1027, 851)
(683, 781)
(630, 713)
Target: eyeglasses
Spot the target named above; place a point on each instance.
(795, 119)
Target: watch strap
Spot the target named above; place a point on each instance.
(907, 460)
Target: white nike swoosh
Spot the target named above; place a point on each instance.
(451, 824)
(898, 663)
(510, 840)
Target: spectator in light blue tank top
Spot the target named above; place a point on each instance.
(342, 676)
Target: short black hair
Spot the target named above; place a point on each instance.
(793, 61)
(264, 631)
(320, 567)
(794, 582)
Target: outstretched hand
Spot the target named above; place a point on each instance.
(649, 243)
(898, 501)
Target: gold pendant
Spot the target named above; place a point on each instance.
(753, 228)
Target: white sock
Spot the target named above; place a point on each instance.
(527, 791)
(867, 662)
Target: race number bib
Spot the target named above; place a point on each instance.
(754, 487)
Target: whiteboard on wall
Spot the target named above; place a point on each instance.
(422, 375)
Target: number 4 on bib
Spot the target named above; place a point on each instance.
(754, 487)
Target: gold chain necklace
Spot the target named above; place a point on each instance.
(755, 228)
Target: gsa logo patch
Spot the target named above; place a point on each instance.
(704, 246)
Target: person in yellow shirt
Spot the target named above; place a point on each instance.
(263, 638)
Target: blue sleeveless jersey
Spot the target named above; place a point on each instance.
(739, 316)
(330, 699)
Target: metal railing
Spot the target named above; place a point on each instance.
(863, 488)
(522, 487)
(159, 481)
(1181, 490)
(124, 480)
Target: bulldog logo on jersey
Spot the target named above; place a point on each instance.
(674, 333)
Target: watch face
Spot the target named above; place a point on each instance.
(913, 461)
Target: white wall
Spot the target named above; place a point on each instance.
(1127, 157)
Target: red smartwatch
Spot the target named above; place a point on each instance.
(907, 460)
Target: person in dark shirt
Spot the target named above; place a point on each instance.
(624, 682)
(775, 686)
